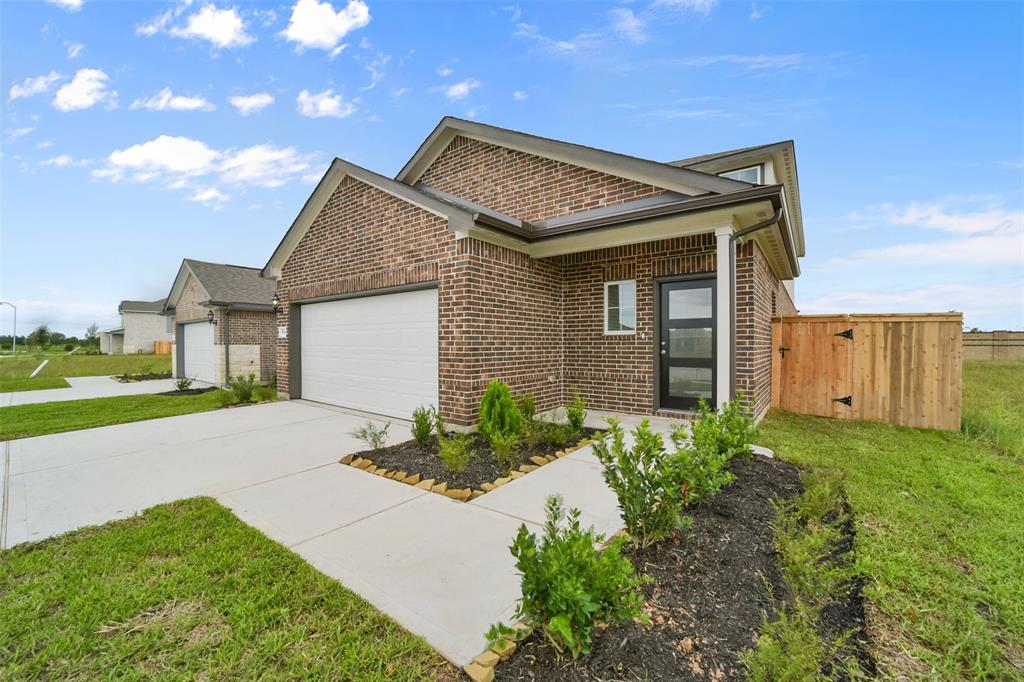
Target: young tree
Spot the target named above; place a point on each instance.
(40, 336)
(92, 335)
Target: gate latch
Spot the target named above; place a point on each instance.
(848, 334)
(845, 400)
(782, 351)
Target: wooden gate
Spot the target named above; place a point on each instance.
(902, 369)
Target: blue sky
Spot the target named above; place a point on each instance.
(136, 134)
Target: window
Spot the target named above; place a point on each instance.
(620, 307)
(751, 174)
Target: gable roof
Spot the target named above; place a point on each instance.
(666, 176)
(459, 218)
(142, 306)
(224, 285)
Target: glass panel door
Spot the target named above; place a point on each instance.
(686, 343)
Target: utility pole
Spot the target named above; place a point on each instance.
(14, 336)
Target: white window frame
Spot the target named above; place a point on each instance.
(604, 309)
(757, 166)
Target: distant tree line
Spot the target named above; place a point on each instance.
(42, 337)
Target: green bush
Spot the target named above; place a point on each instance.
(568, 585)
(499, 414)
(534, 433)
(183, 383)
(557, 435)
(440, 428)
(504, 446)
(527, 408)
(226, 398)
(264, 393)
(243, 388)
(647, 481)
(373, 435)
(68, 347)
(728, 432)
(455, 451)
(576, 413)
(704, 470)
(422, 424)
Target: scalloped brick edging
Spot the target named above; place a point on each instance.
(459, 494)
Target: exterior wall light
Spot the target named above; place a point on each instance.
(276, 302)
(209, 318)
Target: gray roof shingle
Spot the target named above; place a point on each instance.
(233, 283)
(142, 306)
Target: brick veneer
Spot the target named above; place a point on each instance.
(525, 186)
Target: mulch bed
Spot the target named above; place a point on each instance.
(190, 391)
(413, 458)
(711, 588)
(132, 378)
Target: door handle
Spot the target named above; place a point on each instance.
(663, 351)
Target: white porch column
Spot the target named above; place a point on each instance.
(724, 314)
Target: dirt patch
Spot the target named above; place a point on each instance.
(189, 391)
(188, 622)
(132, 378)
(712, 585)
(413, 458)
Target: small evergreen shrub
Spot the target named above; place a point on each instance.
(440, 428)
(183, 384)
(243, 388)
(557, 435)
(499, 414)
(504, 446)
(455, 451)
(647, 481)
(568, 585)
(576, 413)
(527, 408)
(534, 433)
(422, 424)
(373, 435)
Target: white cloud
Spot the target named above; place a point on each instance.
(69, 5)
(324, 104)
(34, 86)
(87, 88)
(165, 100)
(938, 216)
(45, 144)
(750, 61)
(315, 24)
(519, 95)
(580, 41)
(250, 104)
(444, 71)
(210, 196)
(398, 92)
(460, 90)
(64, 315)
(376, 70)
(159, 23)
(757, 12)
(515, 11)
(74, 49)
(62, 161)
(166, 155)
(224, 28)
(263, 165)
(17, 132)
(697, 6)
(628, 25)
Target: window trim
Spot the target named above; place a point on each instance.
(604, 309)
(759, 167)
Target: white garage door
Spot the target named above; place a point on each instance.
(199, 352)
(377, 354)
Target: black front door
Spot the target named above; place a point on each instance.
(686, 343)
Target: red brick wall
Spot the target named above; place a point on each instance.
(525, 186)
(616, 372)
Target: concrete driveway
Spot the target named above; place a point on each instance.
(83, 388)
(440, 568)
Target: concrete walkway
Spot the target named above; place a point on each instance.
(440, 568)
(83, 388)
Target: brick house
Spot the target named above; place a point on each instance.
(552, 266)
(223, 319)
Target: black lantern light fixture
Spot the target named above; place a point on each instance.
(209, 318)
(276, 302)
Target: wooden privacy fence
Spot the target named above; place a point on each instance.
(902, 369)
(162, 347)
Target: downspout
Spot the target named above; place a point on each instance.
(732, 289)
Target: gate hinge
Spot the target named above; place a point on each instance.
(848, 334)
(782, 350)
(845, 400)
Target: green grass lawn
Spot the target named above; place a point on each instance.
(940, 523)
(24, 421)
(187, 591)
(14, 371)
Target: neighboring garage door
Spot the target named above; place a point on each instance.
(377, 353)
(199, 352)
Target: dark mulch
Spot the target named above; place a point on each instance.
(130, 378)
(710, 589)
(845, 613)
(413, 458)
(190, 391)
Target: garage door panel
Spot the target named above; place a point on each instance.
(199, 352)
(377, 354)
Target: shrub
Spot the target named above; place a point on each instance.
(68, 347)
(568, 585)
(499, 414)
(440, 428)
(422, 424)
(373, 435)
(703, 469)
(226, 398)
(264, 393)
(504, 448)
(183, 383)
(243, 388)
(527, 408)
(557, 435)
(576, 412)
(728, 432)
(647, 481)
(534, 433)
(455, 451)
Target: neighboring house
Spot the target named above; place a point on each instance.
(223, 317)
(557, 268)
(142, 324)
